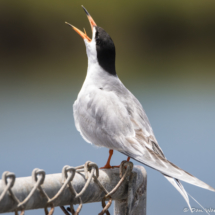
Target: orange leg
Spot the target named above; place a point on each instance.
(107, 165)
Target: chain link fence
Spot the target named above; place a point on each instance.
(76, 185)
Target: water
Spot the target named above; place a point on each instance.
(37, 130)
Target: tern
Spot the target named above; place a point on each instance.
(108, 115)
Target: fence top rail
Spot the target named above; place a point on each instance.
(74, 185)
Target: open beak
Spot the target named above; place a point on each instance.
(84, 34)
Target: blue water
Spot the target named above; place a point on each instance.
(37, 130)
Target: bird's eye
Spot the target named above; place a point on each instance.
(97, 35)
(98, 41)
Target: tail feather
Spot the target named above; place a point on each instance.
(157, 160)
(160, 163)
(198, 204)
(177, 184)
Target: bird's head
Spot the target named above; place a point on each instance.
(100, 49)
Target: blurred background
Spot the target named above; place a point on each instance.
(165, 56)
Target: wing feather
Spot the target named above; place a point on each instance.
(116, 120)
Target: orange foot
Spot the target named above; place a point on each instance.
(107, 165)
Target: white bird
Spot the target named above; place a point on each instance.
(108, 115)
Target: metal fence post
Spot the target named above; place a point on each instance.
(135, 204)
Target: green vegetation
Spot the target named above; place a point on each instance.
(156, 39)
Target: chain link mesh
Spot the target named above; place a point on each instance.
(91, 172)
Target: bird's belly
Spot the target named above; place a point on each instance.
(89, 127)
(92, 135)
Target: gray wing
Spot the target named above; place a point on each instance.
(116, 121)
(153, 155)
(101, 118)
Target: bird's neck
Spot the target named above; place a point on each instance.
(95, 71)
(100, 64)
(96, 75)
(107, 62)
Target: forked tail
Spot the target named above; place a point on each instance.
(179, 187)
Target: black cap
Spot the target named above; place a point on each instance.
(106, 53)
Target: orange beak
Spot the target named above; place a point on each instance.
(84, 34)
